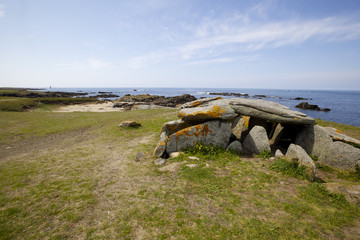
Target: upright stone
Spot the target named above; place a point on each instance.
(313, 139)
(214, 132)
(297, 152)
(239, 125)
(161, 146)
(256, 141)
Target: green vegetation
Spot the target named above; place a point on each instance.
(15, 104)
(290, 168)
(264, 154)
(73, 176)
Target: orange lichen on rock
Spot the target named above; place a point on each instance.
(339, 131)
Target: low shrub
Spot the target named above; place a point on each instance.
(290, 168)
(264, 154)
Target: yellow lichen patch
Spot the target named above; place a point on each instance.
(246, 121)
(339, 131)
(296, 118)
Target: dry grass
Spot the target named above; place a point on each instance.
(79, 180)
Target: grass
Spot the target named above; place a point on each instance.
(73, 175)
(16, 104)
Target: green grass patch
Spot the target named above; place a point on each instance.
(290, 168)
(16, 104)
(264, 154)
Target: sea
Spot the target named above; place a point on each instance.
(344, 105)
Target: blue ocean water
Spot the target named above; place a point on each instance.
(344, 105)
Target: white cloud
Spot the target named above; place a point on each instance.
(2, 10)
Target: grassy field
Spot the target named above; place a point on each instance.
(74, 176)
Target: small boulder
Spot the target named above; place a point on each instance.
(160, 161)
(173, 167)
(132, 124)
(191, 165)
(236, 147)
(279, 154)
(161, 146)
(175, 154)
(141, 156)
(194, 158)
(297, 152)
(203, 114)
(256, 141)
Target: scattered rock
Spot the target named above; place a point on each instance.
(340, 155)
(278, 154)
(203, 114)
(141, 156)
(173, 167)
(191, 165)
(256, 141)
(129, 124)
(297, 152)
(175, 154)
(306, 105)
(154, 100)
(194, 158)
(229, 94)
(236, 147)
(351, 192)
(214, 132)
(300, 98)
(160, 161)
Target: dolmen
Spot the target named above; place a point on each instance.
(251, 126)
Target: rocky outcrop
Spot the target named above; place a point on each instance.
(340, 155)
(296, 152)
(214, 132)
(129, 101)
(199, 102)
(337, 135)
(306, 105)
(256, 141)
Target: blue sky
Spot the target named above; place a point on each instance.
(292, 44)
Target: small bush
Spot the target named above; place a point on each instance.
(207, 150)
(264, 154)
(290, 168)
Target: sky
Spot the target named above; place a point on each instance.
(281, 44)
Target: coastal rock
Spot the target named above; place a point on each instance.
(296, 152)
(306, 105)
(236, 147)
(214, 132)
(313, 139)
(203, 114)
(256, 141)
(340, 155)
(174, 126)
(148, 99)
(161, 146)
(229, 94)
(269, 111)
(239, 125)
(199, 102)
(337, 135)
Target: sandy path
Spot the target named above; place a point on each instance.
(97, 107)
